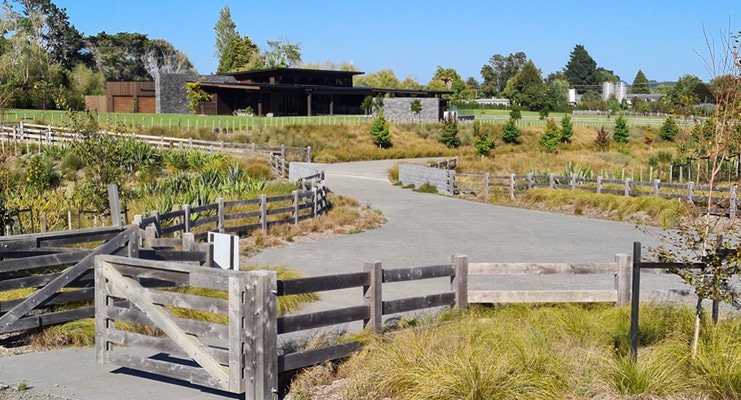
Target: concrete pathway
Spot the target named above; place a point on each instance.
(422, 229)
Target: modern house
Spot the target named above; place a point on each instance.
(287, 92)
(268, 92)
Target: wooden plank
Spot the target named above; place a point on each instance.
(54, 318)
(163, 320)
(40, 296)
(542, 296)
(161, 344)
(541, 268)
(674, 296)
(418, 303)
(292, 361)
(186, 373)
(173, 255)
(20, 264)
(416, 273)
(322, 283)
(239, 203)
(319, 319)
(236, 339)
(261, 336)
(181, 300)
(244, 215)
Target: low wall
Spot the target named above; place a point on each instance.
(418, 175)
(298, 170)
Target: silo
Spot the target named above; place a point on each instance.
(608, 89)
(621, 91)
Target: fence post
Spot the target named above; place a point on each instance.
(451, 181)
(315, 199)
(690, 192)
(552, 180)
(627, 187)
(656, 187)
(261, 336)
(150, 233)
(114, 204)
(732, 207)
(42, 221)
(373, 297)
(220, 202)
(264, 212)
(530, 181)
(459, 282)
(635, 299)
(486, 186)
(308, 154)
(599, 184)
(512, 186)
(295, 207)
(623, 279)
(186, 216)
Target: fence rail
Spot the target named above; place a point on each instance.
(22, 133)
(511, 185)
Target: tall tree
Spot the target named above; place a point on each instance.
(526, 88)
(50, 26)
(226, 32)
(119, 56)
(449, 79)
(640, 84)
(684, 94)
(385, 78)
(581, 69)
(160, 56)
(240, 55)
(499, 70)
(282, 53)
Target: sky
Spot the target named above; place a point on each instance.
(664, 38)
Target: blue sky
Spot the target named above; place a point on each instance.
(660, 37)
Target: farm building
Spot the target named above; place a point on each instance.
(266, 92)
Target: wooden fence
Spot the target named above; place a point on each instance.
(24, 134)
(239, 216)
(47, 278)
(511, 185)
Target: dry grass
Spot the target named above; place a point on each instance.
(346, 216)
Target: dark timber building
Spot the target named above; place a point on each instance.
(288, 92)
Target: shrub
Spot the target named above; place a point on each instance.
(449, 136)
(621, 130)
(511, 133)
(602, 141)
(669, 129)
(483, 140)
(567, 129)
(379, 131)
(550, 137)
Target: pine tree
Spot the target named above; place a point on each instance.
(379, 131)
(550, 138)
(511, 133)
(567, 129)
(621, 130)
(449, 135)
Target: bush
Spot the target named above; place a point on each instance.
(567, 129)
(621, 130)
(379, 131)
(449, 136)
(511, 133)
(669, 129)
(602, 142)
(483, 140)
(551, 136)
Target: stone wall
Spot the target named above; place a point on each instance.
(418, 175)
(398, 109)
(171, 93)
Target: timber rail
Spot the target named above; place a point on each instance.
(25, 134)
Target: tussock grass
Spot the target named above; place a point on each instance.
(645, 210)
(545, 352)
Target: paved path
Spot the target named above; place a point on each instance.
(422, 229)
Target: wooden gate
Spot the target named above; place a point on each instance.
(206, 326)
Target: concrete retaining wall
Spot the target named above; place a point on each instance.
(298, 170)
(418, 175)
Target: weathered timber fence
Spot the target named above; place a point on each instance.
(47, 278)
(240, 353)
(240, 216)
(725, 198)
(13, 135)
(665, 295)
